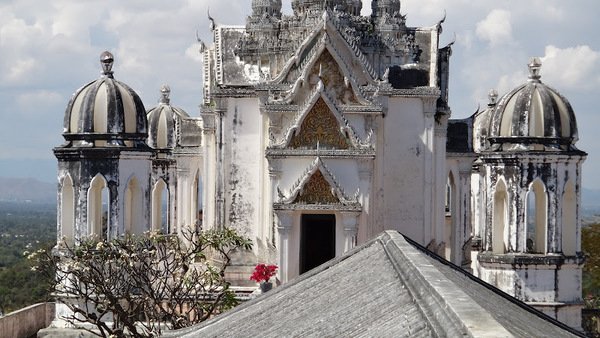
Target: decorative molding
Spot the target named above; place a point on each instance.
(323, 153)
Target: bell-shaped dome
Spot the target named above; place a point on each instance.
(105, 112)
(533, 116)
(163, 122)
(268, 7)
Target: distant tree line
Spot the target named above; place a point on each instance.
(24, 228)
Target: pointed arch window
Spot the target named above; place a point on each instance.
(133, 207)
(500, 218)
(98, 206)
(451, 217)
(536, 218)
(569, 220)
(160, 207)
(196, 200)
(67, 209)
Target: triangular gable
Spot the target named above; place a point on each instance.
(311, 65)
(320, 123)
(324, 38)
(316, 186)
(319, 127)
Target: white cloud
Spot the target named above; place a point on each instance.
(571, 68)
(496, 27)
(37, 102)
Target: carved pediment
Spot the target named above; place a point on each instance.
(326, 69)
(320, 124)
(317, 186)
(316, 191)
(319, 128)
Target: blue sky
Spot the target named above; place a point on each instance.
(48, 49)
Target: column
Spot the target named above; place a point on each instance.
(350, 224)
(284, 227)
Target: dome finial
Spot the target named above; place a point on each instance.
(165, 92)
(493, 97)
(535, 64)
(107, 60)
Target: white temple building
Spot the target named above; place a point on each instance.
(321, 129)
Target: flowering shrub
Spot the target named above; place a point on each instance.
(263, 272)
(145, 283)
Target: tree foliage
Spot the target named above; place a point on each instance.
(590, 242)
(138, 285)
(24, 227)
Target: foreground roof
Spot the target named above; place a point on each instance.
(389, 286)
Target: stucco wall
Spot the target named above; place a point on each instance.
(401, 157)
(26, 322)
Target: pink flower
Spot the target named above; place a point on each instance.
(263, 272)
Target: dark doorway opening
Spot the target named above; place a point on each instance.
(317, 240)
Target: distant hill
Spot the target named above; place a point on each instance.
(26, 190)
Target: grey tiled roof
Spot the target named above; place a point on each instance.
(388, 287)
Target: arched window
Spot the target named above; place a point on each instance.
(133, 207)
(451, 217)
(500, 218)
(569, 220)
(160, 207)
(98, 200)
(536, 218)
(196, 200)
(67, 210)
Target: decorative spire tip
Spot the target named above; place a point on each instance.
(165, 92)
(107, 60)
(493, 97)
(535, 65)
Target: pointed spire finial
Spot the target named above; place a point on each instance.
(165, 92)
(535, 65)
(493, 97)
(107, 60)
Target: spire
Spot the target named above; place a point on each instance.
(107, 60)
(493, 97)
(535, 65)
(165, 92)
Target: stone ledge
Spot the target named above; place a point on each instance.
(528, 259)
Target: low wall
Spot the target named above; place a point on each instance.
(26, 322)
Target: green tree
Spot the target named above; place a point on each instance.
(137, 285)
(590, 242)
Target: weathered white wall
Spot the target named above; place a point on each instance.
(244, 154)
(400, 164)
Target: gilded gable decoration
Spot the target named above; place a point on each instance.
(320, 122)
(317, 186)
(319, 127)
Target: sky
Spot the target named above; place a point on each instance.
(48, 49)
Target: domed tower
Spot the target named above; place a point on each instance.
(164, 122)
(104, 164)
(175, 136)
(532, 175)
(266, 7)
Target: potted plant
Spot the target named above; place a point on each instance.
(262, 274)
